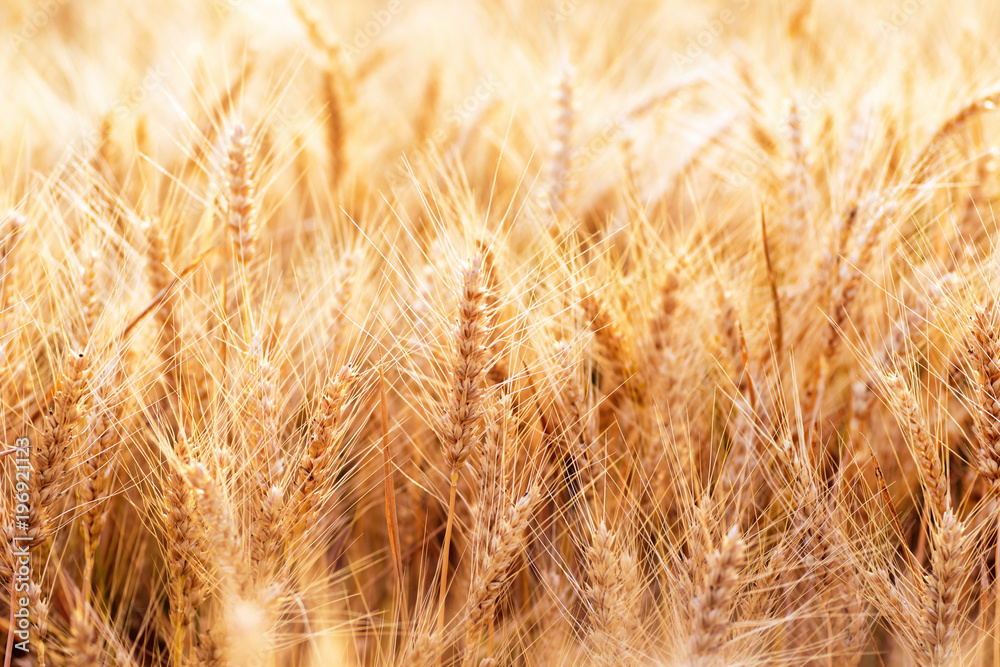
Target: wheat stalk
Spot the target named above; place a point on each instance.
(460, 425)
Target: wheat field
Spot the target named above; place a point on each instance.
(492, 333)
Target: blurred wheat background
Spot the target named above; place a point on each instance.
(500, 332)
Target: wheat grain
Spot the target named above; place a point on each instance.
(98, 466)
(944, 592)
(240, 217)
(495, 561)
(186, 552)
(84, 646)
(219, 530)
(713, 602)
(38, 606)
(610, 594)
(924, 446)
(986, 355)
(50, 457)
(562, 141)
(318, 463)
